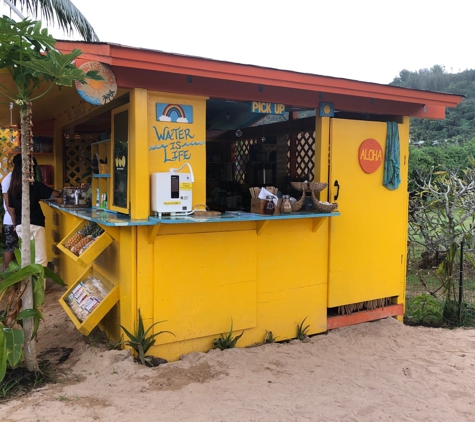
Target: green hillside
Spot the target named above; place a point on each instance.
(459, 124)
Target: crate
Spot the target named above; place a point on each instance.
(92, 252)
(100, 311)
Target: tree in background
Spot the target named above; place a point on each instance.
(64, 12)
(459, 124)
(441, 217)
(27, 52)
(452, 156)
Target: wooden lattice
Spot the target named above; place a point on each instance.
(9, 141)
(77, 158)
(242, 149)
(305, 155)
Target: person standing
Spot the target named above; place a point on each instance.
(11, 238)
(38, 191)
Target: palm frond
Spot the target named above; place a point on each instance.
(61, 12)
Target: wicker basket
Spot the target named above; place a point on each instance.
(322, 207)
(309, 186)
(296, 206)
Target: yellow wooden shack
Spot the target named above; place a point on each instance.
(229, 128)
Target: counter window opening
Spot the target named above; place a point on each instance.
(119, 166)
(272, 151)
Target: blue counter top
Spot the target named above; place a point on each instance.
(100, 216)
(109, 218)
(235, 216)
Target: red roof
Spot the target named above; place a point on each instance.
(161, 71)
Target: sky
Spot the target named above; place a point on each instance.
(365, 40)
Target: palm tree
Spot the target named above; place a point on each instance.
(64, 12)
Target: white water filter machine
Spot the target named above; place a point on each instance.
(172, 192)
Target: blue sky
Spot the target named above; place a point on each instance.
(366, 40)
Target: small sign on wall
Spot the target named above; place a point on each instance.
(267, 108)
(370, 155)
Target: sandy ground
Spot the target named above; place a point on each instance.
(381, 371)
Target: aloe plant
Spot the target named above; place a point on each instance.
(302, 331)
(227, 341)
(141, 342)
(269, 338)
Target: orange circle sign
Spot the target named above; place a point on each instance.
(370, 155)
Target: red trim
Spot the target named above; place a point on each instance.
(210, 75)
(238, 91)
(364, 316)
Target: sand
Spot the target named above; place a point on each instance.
(380, 371)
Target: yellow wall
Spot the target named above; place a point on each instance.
(184, 143)
(206, 275)
(368, 241)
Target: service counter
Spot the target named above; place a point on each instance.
(200, 274)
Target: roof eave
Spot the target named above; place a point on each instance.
(159, 61)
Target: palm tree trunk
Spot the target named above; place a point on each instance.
(29, 345)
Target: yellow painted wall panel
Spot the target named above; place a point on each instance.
(292, 274)
(203, 281)
(145, 273)
(281, 311)
(138, 155)
(367, 243)
(173, 143)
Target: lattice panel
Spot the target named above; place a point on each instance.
(241, 150)
(77, 158)
(9, 141)
(305, 155)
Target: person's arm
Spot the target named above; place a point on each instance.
(5, 198)
(11, 211)
(46, 192)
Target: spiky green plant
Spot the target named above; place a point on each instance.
(227, 341)
(302, 331)
(269, 338)
(141, 342)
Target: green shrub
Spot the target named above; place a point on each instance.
(424, 309)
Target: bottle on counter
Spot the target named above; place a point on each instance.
(269, 207)
(286, 207)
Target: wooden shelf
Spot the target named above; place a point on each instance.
(92, 252)
(106, 304)
(101, 181)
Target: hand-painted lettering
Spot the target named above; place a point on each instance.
(170, 134)
(371, 155)
(176, 149)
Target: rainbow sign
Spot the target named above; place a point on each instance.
(175, 113)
